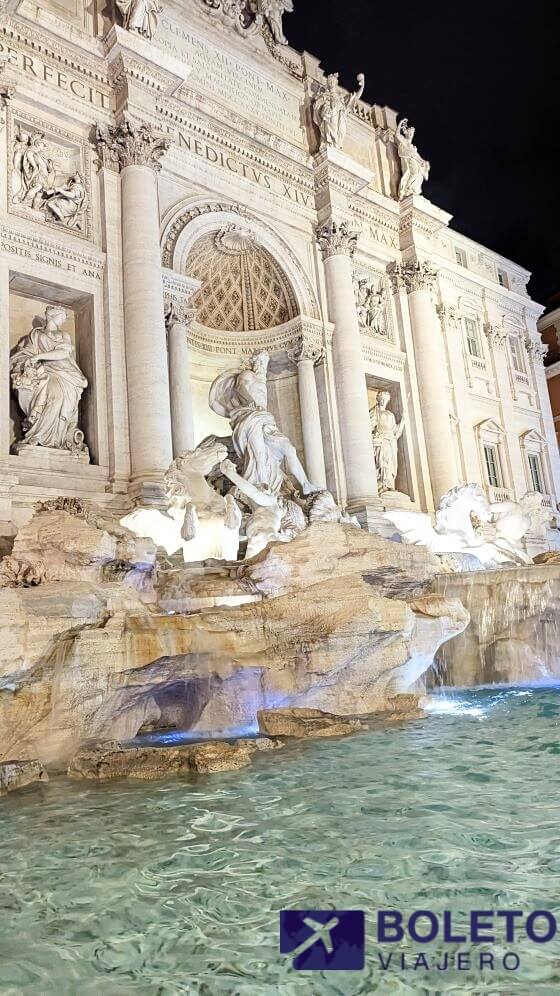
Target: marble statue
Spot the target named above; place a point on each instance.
(370, 305)
(49, 384)
(414, 169)
(331, 109)
(68, 202)
(265, 454)
(386, 432)
(141, 16)
(273, 12)
(468, 525)
(199, 521)
(273, 518)
(33, 168)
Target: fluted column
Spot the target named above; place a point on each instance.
(305, 357)
(136, 150)
(431, 367)
(338, 243)
(177, 322)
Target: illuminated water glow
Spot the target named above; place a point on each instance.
(174, 887)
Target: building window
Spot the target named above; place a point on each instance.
(503, 279)
(473, 340)
(537, 476)
(492, 461)
(460, 257)
(516, 351)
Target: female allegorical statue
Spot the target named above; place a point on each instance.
(386, 433)
(49, 384)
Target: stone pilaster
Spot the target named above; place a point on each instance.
(306, 356)
(135, 149)
(338, 243)
(177, 320)
(418, 279)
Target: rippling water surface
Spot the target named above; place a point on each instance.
(175, 886)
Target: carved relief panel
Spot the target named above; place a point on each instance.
(49, 177)
(372, 304)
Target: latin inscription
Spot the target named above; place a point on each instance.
(232, 83)
(59, 259)
(265, 180)
(36, 69)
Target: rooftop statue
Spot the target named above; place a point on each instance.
(331, 109)
(414, 169)
(49, 384)
(273, 12)
(141, 16)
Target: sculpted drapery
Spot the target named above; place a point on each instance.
(49, 384)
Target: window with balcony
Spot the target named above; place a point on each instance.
(516, 353)
(493, 470)
(536, 470)
(473, 339)
(503, 279)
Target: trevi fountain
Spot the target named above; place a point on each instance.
(279, 628)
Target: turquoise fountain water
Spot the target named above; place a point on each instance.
(174, 887)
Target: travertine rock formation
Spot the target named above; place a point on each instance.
(18, 774)
(93, 659)
(305, 723)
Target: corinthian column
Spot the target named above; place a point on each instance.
(305, 357)
(177, 322)
(338, 244)
(417, 279)
(136, 150)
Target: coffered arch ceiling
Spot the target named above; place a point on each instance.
(244, 288)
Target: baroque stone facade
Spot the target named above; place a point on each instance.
(181, 189)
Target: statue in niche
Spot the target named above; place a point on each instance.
(262, 449)
(67, 203)
(273, 12)
(370, 305)
(414, 169)
(199, 521)
(331, 109)
(141, 16)
(49, 385)
(386, 432)
(34, 169)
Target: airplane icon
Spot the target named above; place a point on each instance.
(323, 940)
(321, 932)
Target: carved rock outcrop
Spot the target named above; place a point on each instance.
(83, 660)
(18, 774)
(305, 723)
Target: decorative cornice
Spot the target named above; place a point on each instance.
(131, 144)
(337, 239)
(411, 277)
(497, 335)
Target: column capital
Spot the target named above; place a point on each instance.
(306, 351)
(496, 334)
(535, 348)
(7, 87)
(413, 276)
(449, 316)
(131, 143)
(178, 314)
(337, 239)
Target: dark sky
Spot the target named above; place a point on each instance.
(480, 81)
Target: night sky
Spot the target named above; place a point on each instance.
(481, 84)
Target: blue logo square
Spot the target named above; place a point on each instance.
(324, 940)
